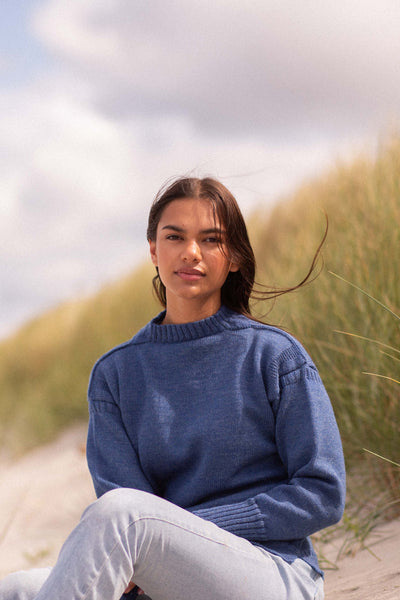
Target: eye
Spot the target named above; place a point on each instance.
(212, 239)
(173, 236)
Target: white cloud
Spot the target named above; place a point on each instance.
(262, 68)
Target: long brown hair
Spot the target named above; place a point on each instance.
(239, 287)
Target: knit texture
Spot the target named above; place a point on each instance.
(227, 418)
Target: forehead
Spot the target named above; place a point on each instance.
(189, 213)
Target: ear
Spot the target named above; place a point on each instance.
(153, 252)
(233, 267)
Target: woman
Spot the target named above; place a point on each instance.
(212, 443)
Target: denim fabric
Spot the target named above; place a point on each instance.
(169, 552)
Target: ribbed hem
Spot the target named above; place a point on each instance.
(190, 331)
(243, 519)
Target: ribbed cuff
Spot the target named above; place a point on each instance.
(243, 519)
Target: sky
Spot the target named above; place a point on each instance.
(102, 101)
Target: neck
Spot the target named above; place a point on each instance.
(178, 312)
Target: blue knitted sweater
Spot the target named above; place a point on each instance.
(227, 418)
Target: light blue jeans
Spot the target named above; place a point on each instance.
(168, 552)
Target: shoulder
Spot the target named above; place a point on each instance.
(280, 357)
(117, 355)
(276, 343)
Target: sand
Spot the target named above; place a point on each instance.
(42, 497)
(43, 494)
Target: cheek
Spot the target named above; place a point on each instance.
(161, 254)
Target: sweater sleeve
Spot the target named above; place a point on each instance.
(111, 457)
(309, 446)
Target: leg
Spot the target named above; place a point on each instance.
(23, 585)
(170, 553)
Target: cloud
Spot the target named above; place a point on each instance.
(238, 68)
(69, 203)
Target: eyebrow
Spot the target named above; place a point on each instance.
(203, 231)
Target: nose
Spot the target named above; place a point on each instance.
(191, 252)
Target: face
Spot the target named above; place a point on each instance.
(190, 254)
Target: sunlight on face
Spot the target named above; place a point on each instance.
(191, 256)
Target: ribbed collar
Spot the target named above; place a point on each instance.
(190, 331)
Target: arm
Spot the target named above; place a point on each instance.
(112, 459)
(309, 446)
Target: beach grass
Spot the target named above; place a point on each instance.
(45, 367)
(348, 318)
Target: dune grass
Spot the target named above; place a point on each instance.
(337, 317)
(44, 369)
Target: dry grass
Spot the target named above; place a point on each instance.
(44, 369)
(362, 201)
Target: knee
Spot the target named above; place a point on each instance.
(23, 585)
(117, 503)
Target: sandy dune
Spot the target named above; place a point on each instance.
(373, 573)
(43, 495)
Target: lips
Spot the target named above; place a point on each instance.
(189, 274)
